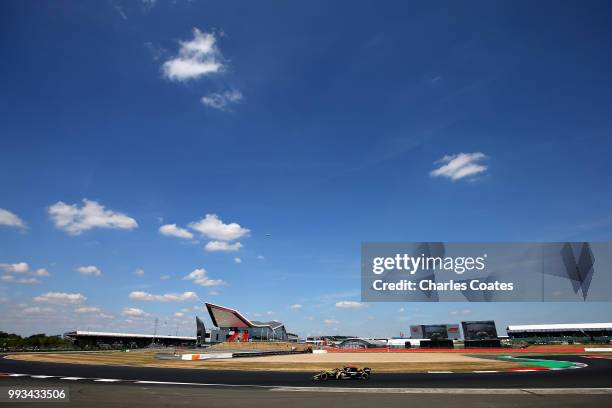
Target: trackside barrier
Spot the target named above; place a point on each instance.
(463, 350)
(238, 354)
(599, 349)
(319, 351)
(205, 356)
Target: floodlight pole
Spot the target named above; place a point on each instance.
(155, 331)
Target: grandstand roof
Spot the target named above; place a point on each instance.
(559, 327)
(127, 335)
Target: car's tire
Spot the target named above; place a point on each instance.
(324, 377)
(365, 376)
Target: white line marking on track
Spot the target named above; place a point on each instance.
(439, 372)
(73, 378)
(18, 375)
(485, 371)
(107, 380)
(43, 376)
(201, 384)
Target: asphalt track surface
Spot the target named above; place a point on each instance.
(598, 374)
(91, 395)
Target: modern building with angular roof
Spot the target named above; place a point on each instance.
(236, 327)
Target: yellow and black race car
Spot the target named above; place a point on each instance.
(345, 373)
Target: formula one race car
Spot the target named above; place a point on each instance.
(345, 373)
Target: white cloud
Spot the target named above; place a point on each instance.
(295, 306)
(168, 297)
(179, 314)
(87, 309)
(148, 4)
(134, 312)
(28, 281)
(459, 166)
(20, 267)
(90, 270)
(237, 260)
(330, 321)
(212, 227)
(222, 101)
(214, 246)
(156, 51)
(261, 257)
(23, 281)
(120, 11)
(164, 277)
(171, 230)
(349, 304)
(60, 298)
(401, 310)
(36, 310)
(200, 277)
(139, 272)
(42, 272)
(75, 220)
(10, 219)
(196, 58)
(464, 311)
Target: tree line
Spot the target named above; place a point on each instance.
(12, 341)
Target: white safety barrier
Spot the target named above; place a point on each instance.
(599, 349)
(207, 356)
(319, 351)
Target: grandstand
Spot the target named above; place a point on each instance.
(567, 332)
(91, 339)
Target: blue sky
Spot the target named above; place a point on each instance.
(311, 126)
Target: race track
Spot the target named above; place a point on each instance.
(597, 374)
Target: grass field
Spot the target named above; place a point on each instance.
(415, 360)
(390, 362)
